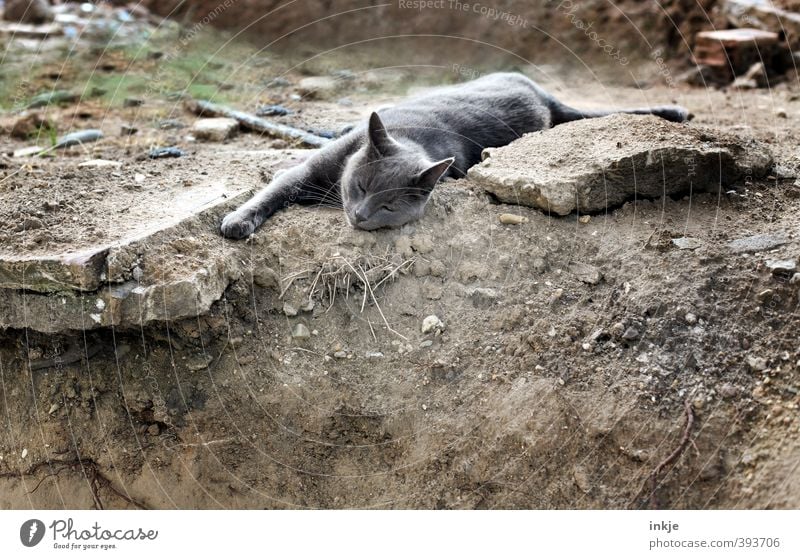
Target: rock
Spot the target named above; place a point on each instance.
(171, 124)
(57, 97)
(130, 102)
(98, 163)
(782, 267)
(586, 272)
(483, 297)
(272, 110)
(53, 409)
(426, 343)
(373, 355)
(161, 153)
(318, 86)
(795, 279)
(757, 243)
(631, 334)
(512, 219)
(756, 363)
(215, 129)
(612, 159)
(300, 331)
(585, 219)
(28, 11)
(432, 323)
(128, 130)
(27, 152)
(690, 318)
(79, 138)
(765, 295)
(781, 113)
(687, 243)
(289, 309)
(340, 354)
(728, 391)
(199, 362)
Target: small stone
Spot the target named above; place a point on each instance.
(586, 272)
(728, 391)
(585, 219)
(24, 453)
(100, 163)
(138, 178)
(690, 318)
(643, 358)
(289, 309)
(432, 323)
(300, 331)
(512, 219)
(27, 152)
(153, 430)
(167, 152)
(128, 130)
(765, 295)
(757, 243)
(687, 243)
(795, 279)
(426, 343)
(53, 409)
(373, 355)
(215, 129)
(756, 363)
(130, 102)
(340, 355)
(782, 267)
(631, 334)
(780, 112)
(199, 362)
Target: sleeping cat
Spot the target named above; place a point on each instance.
(383, 172)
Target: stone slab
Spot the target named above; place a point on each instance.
(595, 164)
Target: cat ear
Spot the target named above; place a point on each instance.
(427, 179)
(378, 136)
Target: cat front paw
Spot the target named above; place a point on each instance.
(237, 226)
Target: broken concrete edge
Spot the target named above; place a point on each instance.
(126, 304)
(91, 268)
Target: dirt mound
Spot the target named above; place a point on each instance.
(533, 31)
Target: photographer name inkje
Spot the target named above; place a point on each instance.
(65, 534)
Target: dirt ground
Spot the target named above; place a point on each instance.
(538, 390)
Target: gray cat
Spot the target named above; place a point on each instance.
(383, 172)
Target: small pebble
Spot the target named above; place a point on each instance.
(432, 323)
(300, 331)
(512, 219)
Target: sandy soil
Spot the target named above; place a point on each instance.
(540, 390)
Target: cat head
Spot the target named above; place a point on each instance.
(387, 183)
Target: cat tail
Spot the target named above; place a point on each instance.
(674, 113)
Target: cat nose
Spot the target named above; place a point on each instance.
(361, 214)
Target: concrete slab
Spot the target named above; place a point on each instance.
(161, 258)
(595, 164)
